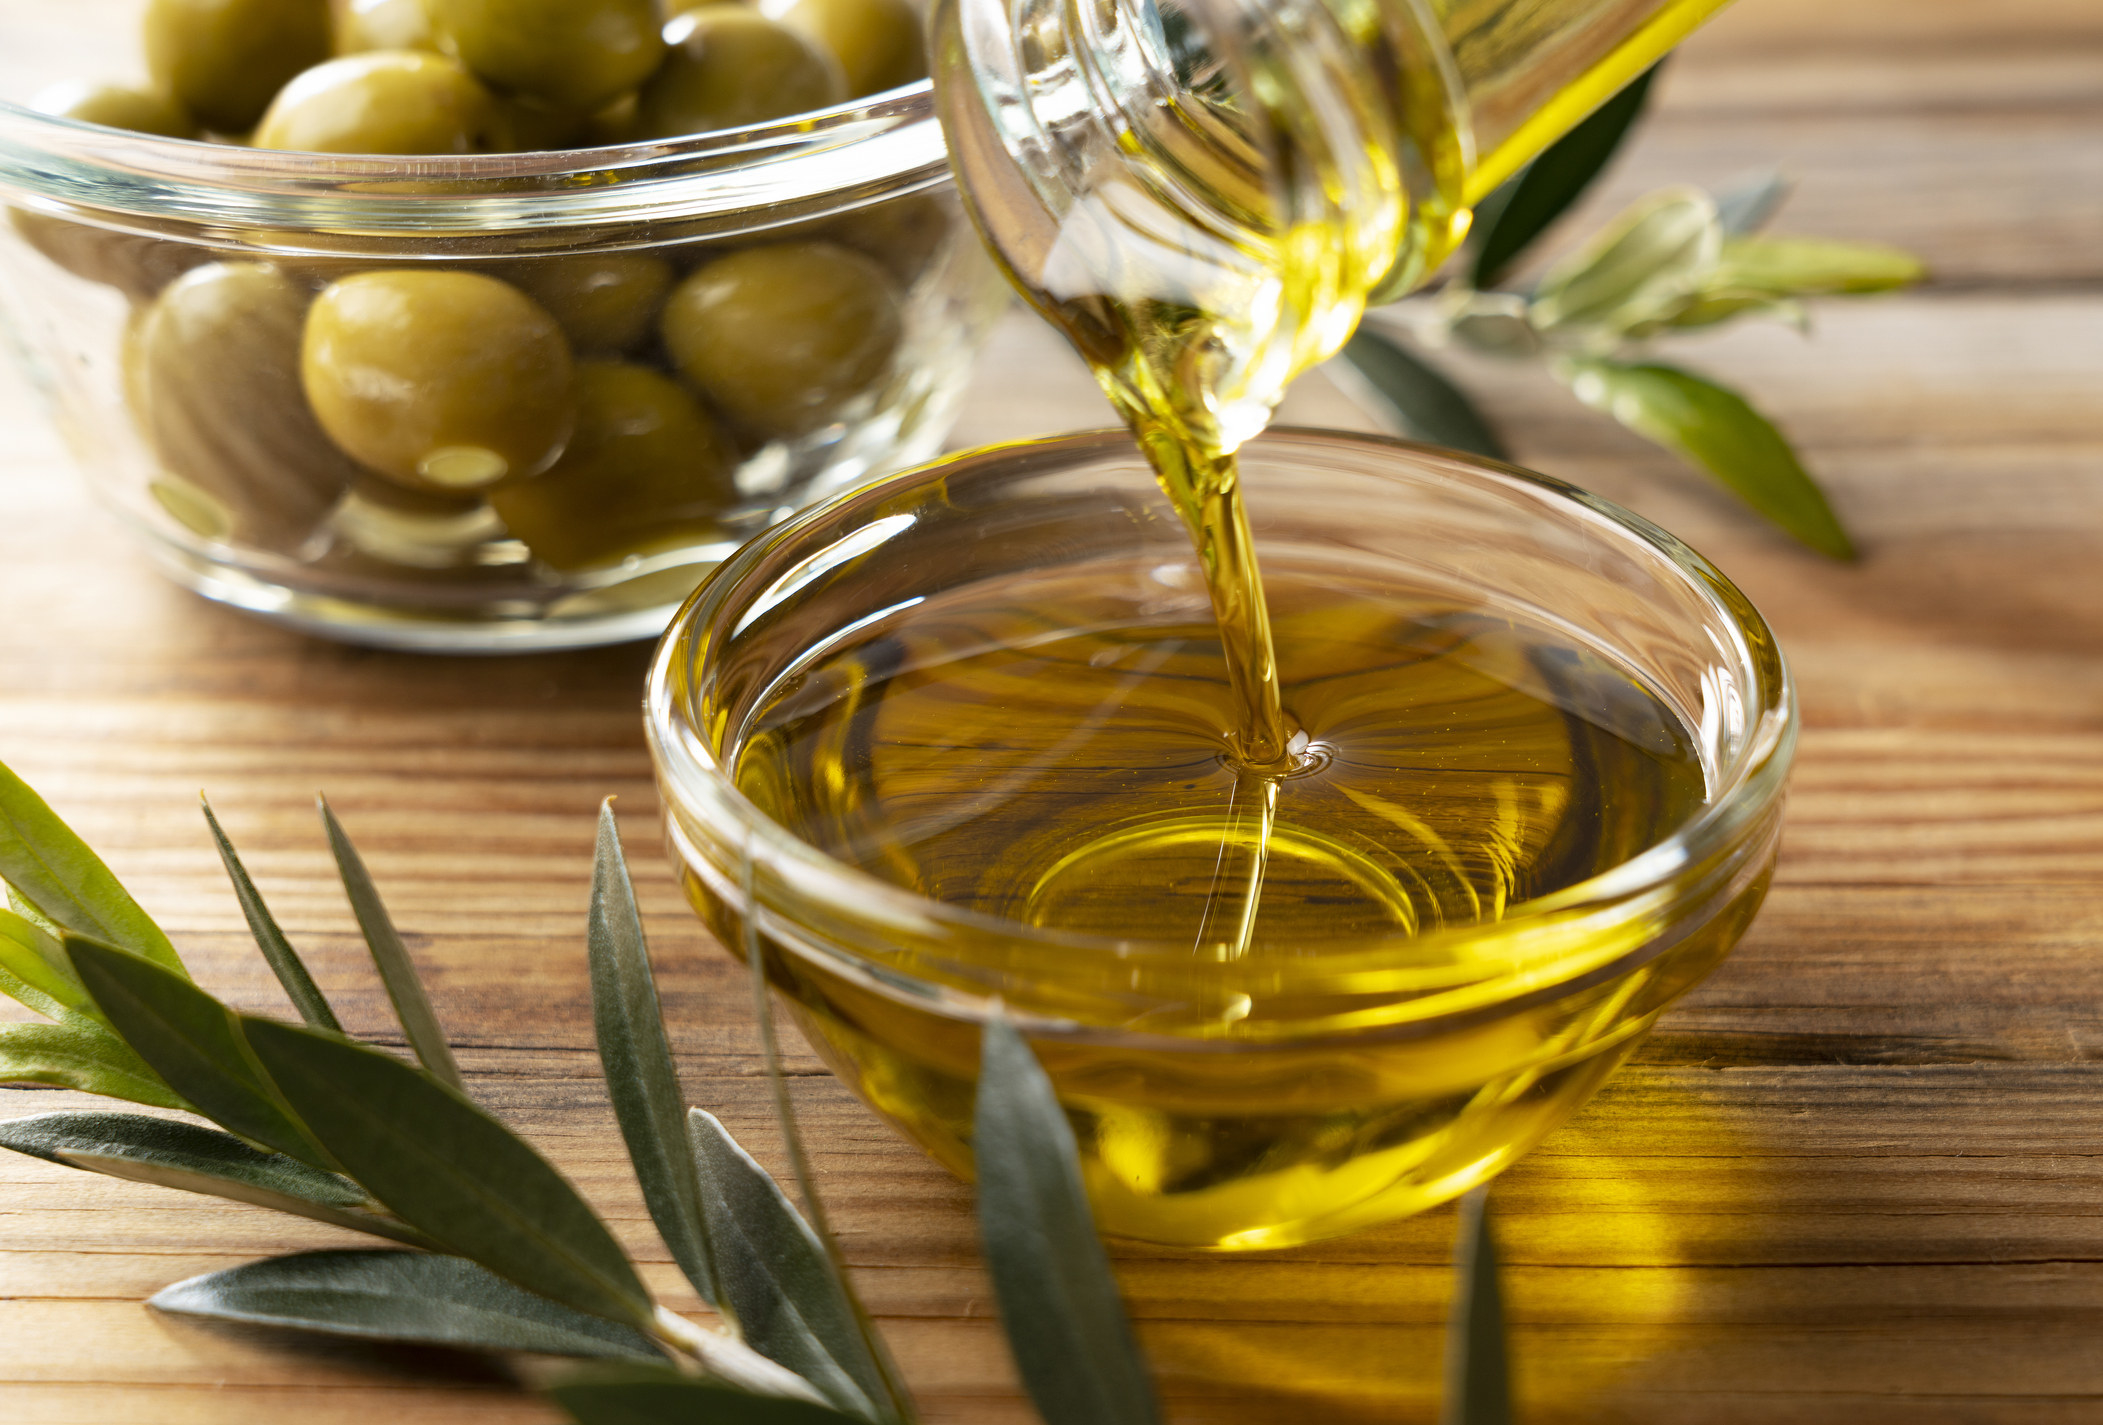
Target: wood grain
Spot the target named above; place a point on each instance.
(1855, 1178)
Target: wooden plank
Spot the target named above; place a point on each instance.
(1853, 1178)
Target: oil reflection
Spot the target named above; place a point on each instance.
(1597, 1229)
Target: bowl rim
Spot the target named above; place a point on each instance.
(806, 165)
(1748, 787)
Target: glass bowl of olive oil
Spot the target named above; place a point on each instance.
(963, 744)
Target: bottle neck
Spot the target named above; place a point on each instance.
(1200, 194)
(1204, 194)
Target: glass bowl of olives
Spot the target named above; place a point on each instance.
(474, 325)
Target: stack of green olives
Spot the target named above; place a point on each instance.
(592, 406)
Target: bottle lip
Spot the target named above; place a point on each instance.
(1664, 892)
(808, 165)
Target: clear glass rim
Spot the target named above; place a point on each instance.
(1748, 786)
(807, 165)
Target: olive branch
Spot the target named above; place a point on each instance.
(490, 1247)
(1675, 260)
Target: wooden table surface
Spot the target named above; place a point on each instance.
(1856, 1177)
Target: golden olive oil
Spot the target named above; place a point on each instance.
(1064, 753)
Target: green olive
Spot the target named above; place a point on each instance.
(730, 67)
(607, 303)
(212, 373)
(646, 464)
(616, 123)
(385, 522)
(363, 25)
(905, 234)
(137, 266)
(533, 127)
(118, 107)
(578, 55)
(448, 382)
(877, 42)
(781, 338)
(222, 60)
(389, 101)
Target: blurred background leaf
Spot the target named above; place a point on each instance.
(1420, 401)
(1717, 430)
(1508, 221)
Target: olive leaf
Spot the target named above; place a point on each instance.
(642, 1395)
(1718, 431)
(1769, 275)
(192, 1041)
(1813, 267)
(417, 1297)
(775, 1276)
(34, 970)
(1422, 402)
(170, 1153)
(1494, 323)
(397, 971)
(78, 1053)
(1478, 1377)
(24, 993)
(1747, 207)
(32, 933)
(1522, 209)
(284, 961)
(1058, 1300)
(640, 1076)
(20, 905)
(1644, 264)
(53, 870)
(895, 1402)
(448, 1169)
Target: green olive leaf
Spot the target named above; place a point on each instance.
(449, 1170)
(78, 1053)
(1508, 221)
(1748, 206)
(1421, 401)
(1493, 323)
(397, 971)
(1641, 267)
(192, 1041)
(641, 1395)
(185, 1156)
(182, 1179)
(418, 1297)
(1713, 305)
(17, 903)
(24, 993)
(54, 871)
(1478, 1378)
(1718, 431)
(284, 961)
(25, 936)
(1813, 267)
(640, 1075)
(775, 1275)
(1059, 1302)
(29, 976)
(894, 1403)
